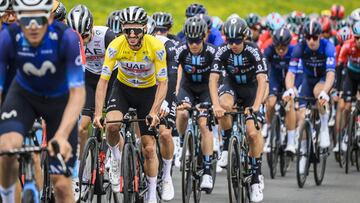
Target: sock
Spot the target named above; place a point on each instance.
(152, 188)
(303, 146)
(259, 162)
(75, 173)
(215, 131)
(8, 194)
(324, 118)
(291, 137)
(167, 169)
(254, 170)
(181, 140)
(115, 152)
(207, 164)
(175, 133)
(226, 138)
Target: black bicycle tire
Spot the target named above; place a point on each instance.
(127, 173)
(234, 151)
(349, 143)
(301, 179)
(186, 168)
(47, 195)
(90, 147)
(274, 150)
(197, 164)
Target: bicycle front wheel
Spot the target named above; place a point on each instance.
(233, 171)
(303, 156)
(87, 171)
(128, 174)
(186, 167)
(273, 156)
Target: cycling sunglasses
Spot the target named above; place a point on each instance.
(132, 30)
(161, 29)
(39, 20)
(194, 40)
(314, 37)
(236, 41)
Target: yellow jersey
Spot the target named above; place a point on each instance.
(138, 69)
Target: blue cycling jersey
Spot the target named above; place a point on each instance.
(214, 38)
(50, 69)
(277, 62)
(313, 63)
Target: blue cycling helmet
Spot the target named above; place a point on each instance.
(282, 36)
(195, 9)
(274, 21)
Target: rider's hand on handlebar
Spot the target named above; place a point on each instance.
(65, 147)
(288, 94)
(153, 121)
(218, 111)
(184, 106)
(97, 121)
(323, 98)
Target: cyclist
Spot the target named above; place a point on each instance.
(168, 107)
(213, 35)
(195, 58)
(316, 57)
(96, 39)
(164, 22)
(141, 84)
(253, 22)
(59, 11)
(113, 22)
(49, 83)
(350, 54)
(273, 22)
(246, 80)
(278, 56)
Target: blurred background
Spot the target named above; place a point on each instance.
(222, 8)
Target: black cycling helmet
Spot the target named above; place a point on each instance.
(59, 12)
(113, 22)
(312, 28)
(194, 9)
(195, 27)
(235, 27)
(252, 19)
(207, 19)
(163, 20)
(133, 15)
(281, 36)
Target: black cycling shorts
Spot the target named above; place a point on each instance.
(243, 95)
(123, 97)
(350, 85)
(21, 108)
(91, 81)
(194, 94)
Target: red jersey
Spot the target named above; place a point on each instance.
(350, 54)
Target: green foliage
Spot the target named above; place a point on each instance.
(224, 8)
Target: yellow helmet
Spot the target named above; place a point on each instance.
(326, 13)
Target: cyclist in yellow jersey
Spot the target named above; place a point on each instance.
(142, 84)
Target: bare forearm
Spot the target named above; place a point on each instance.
(330, 78)
(100, 96)
(72, 110)
(213, 86)
(261, 78)
(178, 81)
(289, 80)
(159, 96)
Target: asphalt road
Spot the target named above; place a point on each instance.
(337, 187)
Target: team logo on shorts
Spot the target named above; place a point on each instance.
(7, 115)
(30, 69)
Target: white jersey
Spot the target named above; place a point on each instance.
(95, 50)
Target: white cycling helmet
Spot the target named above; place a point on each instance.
(33, 5)
(133, 15)
(150, 26)
(80, 19)
(4, 5)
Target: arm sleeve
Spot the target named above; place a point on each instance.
(295, 59)
(343, 56)
(330, 57)
(109, 37)
(217, 65)
(160, 63)
(5, 44)
(74, 66)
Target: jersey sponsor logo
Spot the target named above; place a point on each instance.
(135, 67)
(162, 73)
(160, 54)
(98, 32)
(254, 52)
(147, 59)
(78, 61)
(330, 61)
(111, 52)
(53, 36)
(8, 115)
(93, 51)
(189, 69)
(232, 69)
(30, 69)
(105, 71)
